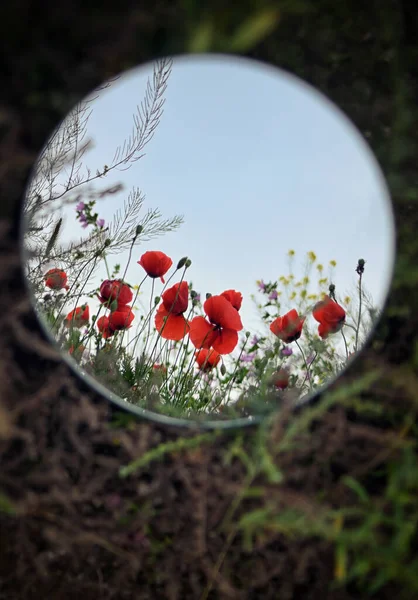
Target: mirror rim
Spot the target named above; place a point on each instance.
(212, 424)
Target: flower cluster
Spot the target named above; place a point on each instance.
(331, 317)
(115, 295)
(217, 332)
(214, 333)
(87, 217)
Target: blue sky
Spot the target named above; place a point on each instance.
(258, 163)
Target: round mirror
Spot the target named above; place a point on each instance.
(208, 237)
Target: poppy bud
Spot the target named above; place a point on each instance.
(188, 263)
(107, 242)
(138, 230)
(247, 334)
(360, 266)
(156, 300)
(331, 288)
(182, 262)
(208, 296)
(223, 369)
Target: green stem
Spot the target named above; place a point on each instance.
(359, 312)
(345, 344)
(304, 360)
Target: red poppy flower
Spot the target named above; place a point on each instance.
(281, 379)
(330, 315)
(155, 263)
(234, 297)
(121, 318)
(104, 327)
(289, 327)
(56, 279)
(169, 320)
(115, 289)
(207, 359)
(78, 317)
(221, 330)
(159, 368)
(176, 298)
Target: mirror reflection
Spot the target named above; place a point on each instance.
(208, 237)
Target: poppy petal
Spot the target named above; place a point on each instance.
(276, 326)
(202, 333)
(171, 327)
(225, 341)
(207, 359)
(221, 312)
(176, 298)
(323, 330)
(234, 297)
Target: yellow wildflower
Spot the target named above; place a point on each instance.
(293, 295)
(303, 294)
(347, 300)
(333, 263)
(320, 267)
(291, 253)
(305, 280)
(312, 256)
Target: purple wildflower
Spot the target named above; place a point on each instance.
(255, 340)
(247, 358)
(197, 298)
(80, 206)
(261, 285)
(287, 351)
(100, 222)
(273, 295)
(83, 220)
(310, 359)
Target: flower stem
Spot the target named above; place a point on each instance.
(306, 364)
(359, 311)
(345, 344)
(106, 265)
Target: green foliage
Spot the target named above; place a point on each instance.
(6, 506)
(159, 452)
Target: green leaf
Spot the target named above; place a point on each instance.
(202, 37)
(356, 487)
(6, 505)
(159, 452)
(53, 238)
(254, 30)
